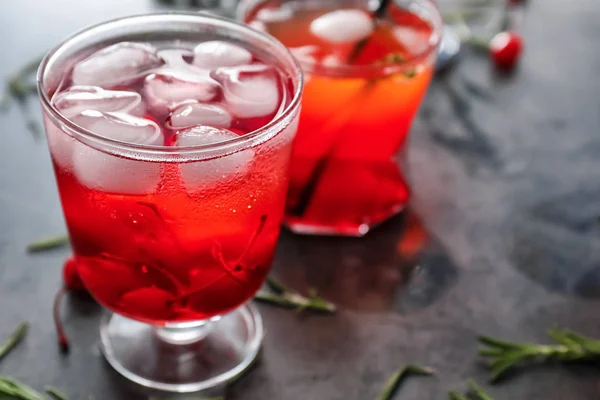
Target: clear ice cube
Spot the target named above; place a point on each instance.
(116, 65)
(168, 88)
(175, 57)
(111, 173)
(331, 60)
(120, 126)
(305, 54)
(216, 54)
(414, 41)
(192, 114)
(250, 91)
(258, 25)
(343, 26)
(201, 174)
(176, 64)
(61, 145)
(81, 98)
(279, 14)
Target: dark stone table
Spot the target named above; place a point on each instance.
(502, 232)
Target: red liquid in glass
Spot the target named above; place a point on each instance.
(351, 127)
(178, 253)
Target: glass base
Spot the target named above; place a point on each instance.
(307, 227)
(183, 358)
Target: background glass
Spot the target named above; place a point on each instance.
(355, 117)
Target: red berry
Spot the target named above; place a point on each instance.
(505, 49)
(71, 282)
(71, 277)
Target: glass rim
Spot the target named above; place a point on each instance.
(245, 6)
(277, 124)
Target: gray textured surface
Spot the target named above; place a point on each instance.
(507, 183)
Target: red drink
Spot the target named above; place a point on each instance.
(364, 84)
(171, 137)
(169, 240)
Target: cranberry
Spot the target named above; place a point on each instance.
(71, 282)
(505, 49)
(71, 278)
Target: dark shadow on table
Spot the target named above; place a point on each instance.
(556, 243)
(398, 266)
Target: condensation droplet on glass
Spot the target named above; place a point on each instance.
(249, 207)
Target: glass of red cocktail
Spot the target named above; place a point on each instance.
(366, 73)
(170, 137)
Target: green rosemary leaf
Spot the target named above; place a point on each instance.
(15, 390)
(394, 382)
(501, 344)
(14, 339)
(457, 396)
(55, 393)
(275, 285)
(48, 244)
(478, 391)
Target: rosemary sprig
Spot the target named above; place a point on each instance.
(55, 393)
(478, 391)
(14, 339)
(284, 297)
(19, 87)
(275, 285)
(475, 390)
(569, 346)
(50, 243)
(457, 396)
(15, 390)
(393, 384)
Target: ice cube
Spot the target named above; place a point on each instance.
(192, 114)
(258, 25)
(215, 54)
(201, 174)
(305, 54)
(60, 144)
(280, 14)
(250, 91)
(168, 88)
(80, 98)
(115, 65)
(120, 126)
(175, 57)
(176, 63)
(111, 173)
(343, 26)
(414, 41)
(331, 60)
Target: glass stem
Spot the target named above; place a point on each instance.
(184, 334)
